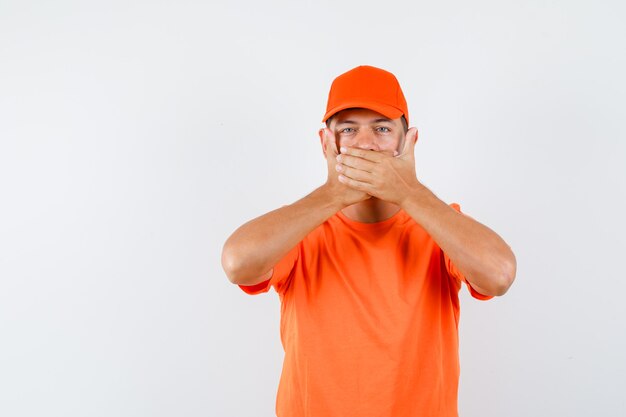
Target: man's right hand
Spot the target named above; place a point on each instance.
(255, 248)
(340, 192)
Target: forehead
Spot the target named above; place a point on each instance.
(359, 115)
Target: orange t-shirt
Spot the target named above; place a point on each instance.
(369, 322)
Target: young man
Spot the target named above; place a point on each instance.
(368, 268)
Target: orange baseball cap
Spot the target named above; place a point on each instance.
(370, 88)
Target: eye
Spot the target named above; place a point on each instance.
(383, 129)
(347, 130)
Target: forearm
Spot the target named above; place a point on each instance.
(477, 251)
(255, 247)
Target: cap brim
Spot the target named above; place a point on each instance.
(384, 109)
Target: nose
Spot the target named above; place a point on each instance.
(365, 139)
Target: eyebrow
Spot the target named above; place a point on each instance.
(384, 119)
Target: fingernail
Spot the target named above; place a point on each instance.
(343, 149)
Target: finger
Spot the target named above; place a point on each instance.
(358, 185)
(331, 144)
(333, 141)
(409, 142)
(388, 153)
(374, 156)
(355, 174)
(355, 162)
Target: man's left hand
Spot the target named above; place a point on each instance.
(387, 177)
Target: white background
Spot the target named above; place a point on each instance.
(135, 137)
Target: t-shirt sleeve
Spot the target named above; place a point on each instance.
(281, 275)
(454, 272)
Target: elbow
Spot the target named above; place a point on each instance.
(499, 280)
(240, 269)
(230, 265)
(505, 276)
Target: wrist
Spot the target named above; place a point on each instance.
(417, 194)
(330, 198)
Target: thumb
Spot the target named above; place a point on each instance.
(331, 143)
(409, 143)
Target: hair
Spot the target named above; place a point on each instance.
(405, 125)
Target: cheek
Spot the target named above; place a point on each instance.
(398, 143)
(344, 141)
(390, 145)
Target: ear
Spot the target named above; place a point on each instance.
(322, 141)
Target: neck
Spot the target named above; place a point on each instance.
(371, 210)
